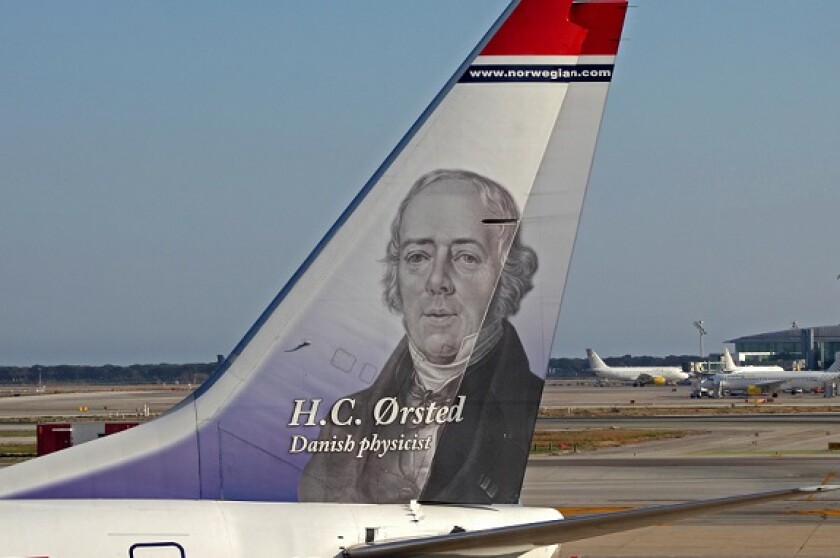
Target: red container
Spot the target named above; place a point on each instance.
(54, 437)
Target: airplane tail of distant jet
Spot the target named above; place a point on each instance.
(405, 359)
(595, 362)
(728, 364)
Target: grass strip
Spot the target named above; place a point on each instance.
(559, 441)
(17, 433)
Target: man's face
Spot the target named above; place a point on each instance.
(448, 268)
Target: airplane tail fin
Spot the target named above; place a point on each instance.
(835, 366)
(595, 362)
(728, 363)
(405, 359)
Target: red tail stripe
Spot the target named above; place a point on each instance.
(558, 27)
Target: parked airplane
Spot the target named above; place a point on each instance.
(637, 375)
(728, 365)
(771, 382)
(754, 382)
(403, 362)
(761, 380)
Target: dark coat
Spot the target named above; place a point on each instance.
(480, 460)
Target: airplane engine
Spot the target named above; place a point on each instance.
(754, 390)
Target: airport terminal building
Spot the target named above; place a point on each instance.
(817, 346)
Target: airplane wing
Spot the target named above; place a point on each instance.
(519, 538)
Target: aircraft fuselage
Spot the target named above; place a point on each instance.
(189, 528)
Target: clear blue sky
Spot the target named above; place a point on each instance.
(164, 168)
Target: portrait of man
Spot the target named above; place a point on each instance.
(450, 415)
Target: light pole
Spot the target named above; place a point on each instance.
(702, 331)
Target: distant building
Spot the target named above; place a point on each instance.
(817, 346)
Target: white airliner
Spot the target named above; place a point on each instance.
(772, 382)
(758, 380)
(637, 375)
(383, 404)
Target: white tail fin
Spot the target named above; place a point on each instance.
(595, 362)
(406, 357)
(728, 363)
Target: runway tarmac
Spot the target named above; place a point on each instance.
(85, 401)
(802, 527)
(725, 455)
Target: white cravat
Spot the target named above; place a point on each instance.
(441, 383)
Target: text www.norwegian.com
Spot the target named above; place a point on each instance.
(538, 73)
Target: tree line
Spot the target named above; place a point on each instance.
(193, 373)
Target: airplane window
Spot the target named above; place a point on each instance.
(156, 550)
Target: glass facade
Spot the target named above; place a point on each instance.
(791, 347)
(785, 346)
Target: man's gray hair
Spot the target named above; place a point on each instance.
(521, 263)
